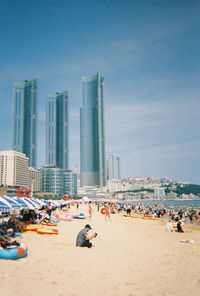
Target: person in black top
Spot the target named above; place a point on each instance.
(180, 226)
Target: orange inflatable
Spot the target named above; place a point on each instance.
(47, 231)
(31, 227)
(49, 224)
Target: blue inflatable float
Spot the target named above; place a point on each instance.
(14, 253)
(80, 216)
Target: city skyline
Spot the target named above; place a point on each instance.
(149, 56)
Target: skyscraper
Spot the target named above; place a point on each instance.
(92, 142)
(110, 168)
(57, 147)
(117, 169)
(113, 168)
(24, 126)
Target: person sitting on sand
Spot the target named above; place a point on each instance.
(4, 235)
(180, 226)
(15, 224)
(169, 226)
(6, 240)
(83, 240)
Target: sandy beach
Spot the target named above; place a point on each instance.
(130, 257)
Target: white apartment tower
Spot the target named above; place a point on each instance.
(33, 179)
(13, 168)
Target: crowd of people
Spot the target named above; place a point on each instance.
(176, 218)
(16, 222)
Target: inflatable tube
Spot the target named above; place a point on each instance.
(103, 211)
(79, 217)
(150, 218)
(66, 217)
(14, 253)
(174, 225)
(31, 227)
(47, 231)
(17, 234)
(134, 217)
(49, 224)
(54, 221)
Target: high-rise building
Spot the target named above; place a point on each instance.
(113, 168)
(24, 126)
(52, 179)
(70, 183)
(59, 181)
(110, 168)
(92, 141)
(34, 179)
(117, 168)
(13, 168)
(57, 120)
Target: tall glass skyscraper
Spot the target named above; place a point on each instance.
(24, 126)
(92, 142)
(57, 120)
(113, 168)
(110, 168)
(117, 168)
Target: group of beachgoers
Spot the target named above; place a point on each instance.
(175, 217)
(16, 223)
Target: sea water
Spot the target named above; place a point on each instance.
(175, 204)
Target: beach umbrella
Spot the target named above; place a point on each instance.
(14, 204)
(34, 203)
(53, 203)
(4, 206)
(45, 201)
(39, 202)
(29, 201)
(24, 203)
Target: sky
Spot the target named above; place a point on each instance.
(148, 52)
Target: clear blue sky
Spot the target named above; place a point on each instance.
(149, 54)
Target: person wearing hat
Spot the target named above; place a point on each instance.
(83, 240)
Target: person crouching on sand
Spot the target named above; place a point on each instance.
(83, 240)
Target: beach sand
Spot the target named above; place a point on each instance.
(130, 257)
